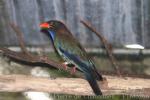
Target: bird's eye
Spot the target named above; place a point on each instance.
(51, 23)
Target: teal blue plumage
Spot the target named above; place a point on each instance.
(72, 51)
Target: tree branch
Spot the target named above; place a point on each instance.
(106, 45)
(24, 58)
(75, 86)
(20, 38)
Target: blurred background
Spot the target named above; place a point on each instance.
(121, 22)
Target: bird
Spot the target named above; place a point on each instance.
(69, 49)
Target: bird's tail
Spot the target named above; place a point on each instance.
(92, 81)
(98, 76)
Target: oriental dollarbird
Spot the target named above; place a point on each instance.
(72, 51)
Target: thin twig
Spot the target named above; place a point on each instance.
(106, 45)
(20, 38)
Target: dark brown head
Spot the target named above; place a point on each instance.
(53, 25)
(53, 28)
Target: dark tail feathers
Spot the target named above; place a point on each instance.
(92, 81)
(98, 76)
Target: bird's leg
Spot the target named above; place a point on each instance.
(65, 65)
(73, 70)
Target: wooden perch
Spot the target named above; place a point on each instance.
(106, 45)
(75, 86)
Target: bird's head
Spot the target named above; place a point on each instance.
(53, 25)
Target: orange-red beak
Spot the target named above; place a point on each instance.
(44, 25)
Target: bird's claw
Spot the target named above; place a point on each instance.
(65, 65)
(73, 70)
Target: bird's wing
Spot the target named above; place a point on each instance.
(71, 49)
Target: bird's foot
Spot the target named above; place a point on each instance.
(73, 70)
(65, 65)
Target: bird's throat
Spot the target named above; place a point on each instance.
(52, 34)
